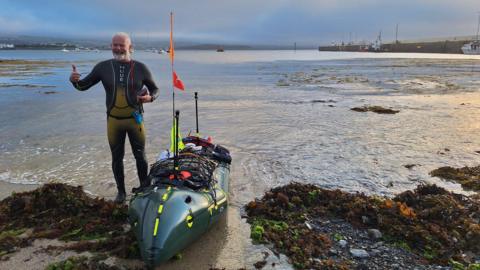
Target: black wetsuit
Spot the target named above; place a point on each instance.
(123, 82)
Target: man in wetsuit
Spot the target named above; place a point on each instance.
(124, 80)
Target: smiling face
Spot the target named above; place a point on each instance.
(121, 47)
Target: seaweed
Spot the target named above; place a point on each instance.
(468, 177)
(432, 222)
(81, 263)
(375, 109)
(59, 211)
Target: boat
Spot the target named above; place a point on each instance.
(188, 194)
(152, 50)
(64, 50)
(377, 45)
(473, 48)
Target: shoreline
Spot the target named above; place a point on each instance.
(6, 188)
(335, 229)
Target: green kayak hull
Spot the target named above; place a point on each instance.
(166, 219)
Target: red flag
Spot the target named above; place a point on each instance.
(177, 82)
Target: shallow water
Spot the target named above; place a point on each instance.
(285, 117)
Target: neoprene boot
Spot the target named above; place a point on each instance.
(143, 184)
(120, 198)
(121, 194)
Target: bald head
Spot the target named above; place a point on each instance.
(122, 46)
(122, 36)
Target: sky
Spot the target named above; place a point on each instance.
(247, 22)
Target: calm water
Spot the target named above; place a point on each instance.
(264, 106)
(284, 115)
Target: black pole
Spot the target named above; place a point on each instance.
(175, 154)
(173, 103)
(196, 111)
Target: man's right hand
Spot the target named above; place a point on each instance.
(75, 76)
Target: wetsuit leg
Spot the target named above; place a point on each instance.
(116, 139)
(136, 136)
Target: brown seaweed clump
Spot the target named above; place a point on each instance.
(67, 213)
(81, 263)
(430, 221)
(375, 109)
(468, 177)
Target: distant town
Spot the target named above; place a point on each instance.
(456, 45)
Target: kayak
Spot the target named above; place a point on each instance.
(187, 196)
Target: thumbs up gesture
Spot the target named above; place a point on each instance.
(75, 76)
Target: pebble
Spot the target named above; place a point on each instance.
(365, 220)
(374, 234)
(379, 255)
(332, 252)
(308, 225)
(359, 253)
(362, 267)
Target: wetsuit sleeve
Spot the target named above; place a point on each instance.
(148, 81)
(89, 81)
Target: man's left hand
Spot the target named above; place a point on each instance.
(144, 99)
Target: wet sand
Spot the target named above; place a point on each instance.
(226, 245)
(6, 188)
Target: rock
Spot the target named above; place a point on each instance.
(362, 267)
(332, 252)
(359, 253)
(374, 234)
(260, 264)
(365, 220)
(308, 225)
(342, 243)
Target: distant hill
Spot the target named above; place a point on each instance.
(46, 42)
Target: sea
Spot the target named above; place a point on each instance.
(285, 116)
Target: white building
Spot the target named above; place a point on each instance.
(6, 46)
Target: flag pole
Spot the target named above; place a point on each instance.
(196, 112)
(175, 152)
(172, 54)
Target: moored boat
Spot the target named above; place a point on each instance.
(473, 48)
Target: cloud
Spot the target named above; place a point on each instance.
(247, 21)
